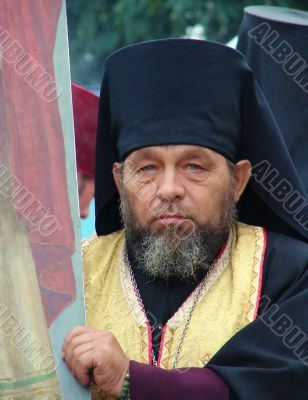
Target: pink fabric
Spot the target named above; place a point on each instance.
(85, 107)
(35, 152)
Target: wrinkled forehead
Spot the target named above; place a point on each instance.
(175, 152)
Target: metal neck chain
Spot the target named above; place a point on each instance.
(193, 307)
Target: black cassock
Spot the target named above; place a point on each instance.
(268, 359)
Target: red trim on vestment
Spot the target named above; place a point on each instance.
(161, 344)
(150, 344)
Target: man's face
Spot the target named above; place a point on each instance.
(167, 184)
(177, 205)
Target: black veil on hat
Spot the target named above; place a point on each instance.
(183, 91)
(275, 43)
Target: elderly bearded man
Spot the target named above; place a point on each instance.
(215, 306)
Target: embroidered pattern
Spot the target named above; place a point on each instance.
(256, 279)
(130, 294)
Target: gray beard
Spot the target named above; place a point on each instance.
(171, 253)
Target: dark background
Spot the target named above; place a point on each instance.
(98, 27)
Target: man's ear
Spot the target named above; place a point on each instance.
(117, 175)
(242, 175)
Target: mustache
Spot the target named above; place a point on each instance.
(169, 209)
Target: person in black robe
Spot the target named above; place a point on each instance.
(181, 91)
(274, 41)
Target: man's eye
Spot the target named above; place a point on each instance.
(147, 168)
(194, 167)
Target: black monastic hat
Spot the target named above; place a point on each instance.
(183, 91)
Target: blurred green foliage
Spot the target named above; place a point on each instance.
(98, 27)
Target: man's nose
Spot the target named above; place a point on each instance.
(170, 186)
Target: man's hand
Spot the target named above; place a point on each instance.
(96, 355)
